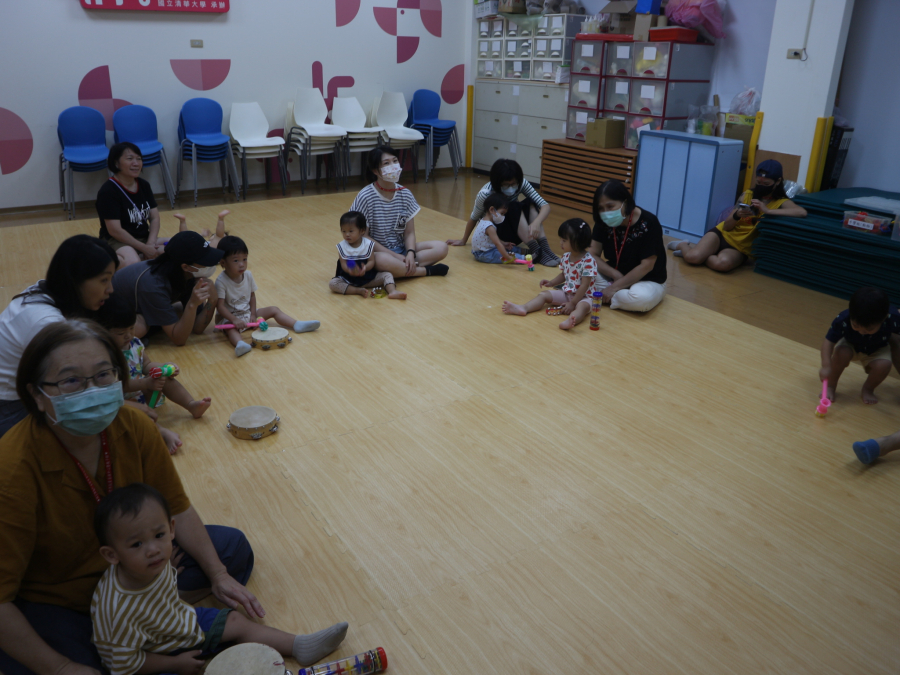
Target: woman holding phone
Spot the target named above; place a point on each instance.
(731, 242)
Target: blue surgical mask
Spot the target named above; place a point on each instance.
(612, 218)
(510, 191)
(87, 412)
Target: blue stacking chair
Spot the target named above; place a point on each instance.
(137, 124)
(423, 116)
(82, 136)
(201, 140)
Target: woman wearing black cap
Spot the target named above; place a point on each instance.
(731, 242)
(180, 274)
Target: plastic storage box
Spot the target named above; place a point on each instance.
(545, 69)
(490, 69)
(587, 57)
(618, 94)
(519, 69)
(584, 91)
(619, 59)
(519, 48)
(576, 124)
(863, 222)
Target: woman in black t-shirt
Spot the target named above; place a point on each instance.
(129, 219)
(631, 241)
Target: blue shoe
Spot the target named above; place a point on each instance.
(867, 451)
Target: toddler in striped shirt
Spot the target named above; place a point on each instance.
(141, 625)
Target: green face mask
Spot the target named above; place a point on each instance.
(612, 218)
(87, 412)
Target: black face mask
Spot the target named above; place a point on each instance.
(762, 191)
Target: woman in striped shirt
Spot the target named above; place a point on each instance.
(524, 219)
(390, 210)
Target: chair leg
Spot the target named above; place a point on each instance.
(62, 182)
(268, 173)
(194, 170)
(70, 182)
(282, 169)
(416, 162)
(244, 178)
(167, 178)
(229, 162)
(223, 175)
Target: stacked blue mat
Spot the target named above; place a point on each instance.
(817, 252)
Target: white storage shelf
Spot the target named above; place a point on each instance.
(513, 119)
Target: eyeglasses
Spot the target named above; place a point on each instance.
(74, 384)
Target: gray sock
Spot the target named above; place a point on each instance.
(314, 647)
(305, 326)
(241, 348)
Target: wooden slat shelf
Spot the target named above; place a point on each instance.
(571, 171)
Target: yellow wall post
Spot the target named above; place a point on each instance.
(826, 140)
(813, 166)
(470, 118)
(751, 151)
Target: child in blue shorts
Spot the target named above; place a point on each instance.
(141, 625)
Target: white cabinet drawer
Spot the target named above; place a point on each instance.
(497, 97)
(533, 131)
(544, 101)
(496, 125)
(530, 161)
(486, 151)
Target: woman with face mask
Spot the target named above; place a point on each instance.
(631, 241)
(730, 244)
(524, 218)
(390, 210)
(180, 274)
(76, 445)
(78, 282)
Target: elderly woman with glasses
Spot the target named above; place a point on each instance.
(76, 445)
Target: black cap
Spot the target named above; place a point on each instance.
(189, 248)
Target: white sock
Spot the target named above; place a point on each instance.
(305, 326)
(314, 647)
(241, 348)
(678, 254)
(673, 245)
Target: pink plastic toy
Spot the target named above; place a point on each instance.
(528, 261)
(263, 326)
(824, 403)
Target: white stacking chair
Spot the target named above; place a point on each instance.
(309, 135)
(248, 128)
(389, 111)
(361, 137)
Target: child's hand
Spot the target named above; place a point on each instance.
(824, 373)
(177, 371)
(568, 308)
(455, 242)
(762, 208)
(200, 294)
(188, 663)
(545, 283)
(508, 245)
(157, 384)
(239, 325)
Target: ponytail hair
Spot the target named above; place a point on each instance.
(577, 233)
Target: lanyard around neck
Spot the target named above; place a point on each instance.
(106, 461)
(616, 246)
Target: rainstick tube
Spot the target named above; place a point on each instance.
(372, 661)
(596, 304)
(824, 403)
(166, 370)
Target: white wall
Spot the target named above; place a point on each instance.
(797, 92)
(46, 49)
(870, 96)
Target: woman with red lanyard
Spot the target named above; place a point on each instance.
(631, 240)
(76, 445)
(129, 219)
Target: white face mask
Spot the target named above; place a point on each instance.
(391, 172)
(204, 272)
(511, 190)
(498, 218)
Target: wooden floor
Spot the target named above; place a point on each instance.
(480, 493)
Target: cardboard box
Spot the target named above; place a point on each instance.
(487, 8)
(512, 6)
(605, 133)
(740, 128)
(622, 16)
(642, 25)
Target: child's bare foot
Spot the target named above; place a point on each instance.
(197, 408)
(173, 440)
(510, 308)
(397, 295)
(568, 324)
(829, 394)
(223, 213)
(182, 222)
(869, 397)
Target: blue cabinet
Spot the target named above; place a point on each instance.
(687, 180)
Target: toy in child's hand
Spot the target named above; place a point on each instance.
(260, 323)
(367, 663)
(528, 261)
(166, 370)
(824, 403)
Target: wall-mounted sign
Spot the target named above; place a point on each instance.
(160, 5)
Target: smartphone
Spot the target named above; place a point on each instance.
(745, 206)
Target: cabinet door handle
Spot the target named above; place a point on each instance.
(543, 126)
(497, 92)
(546, 95)
(496, 148)
(496, 120)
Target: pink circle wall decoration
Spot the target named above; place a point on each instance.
(16, 142)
